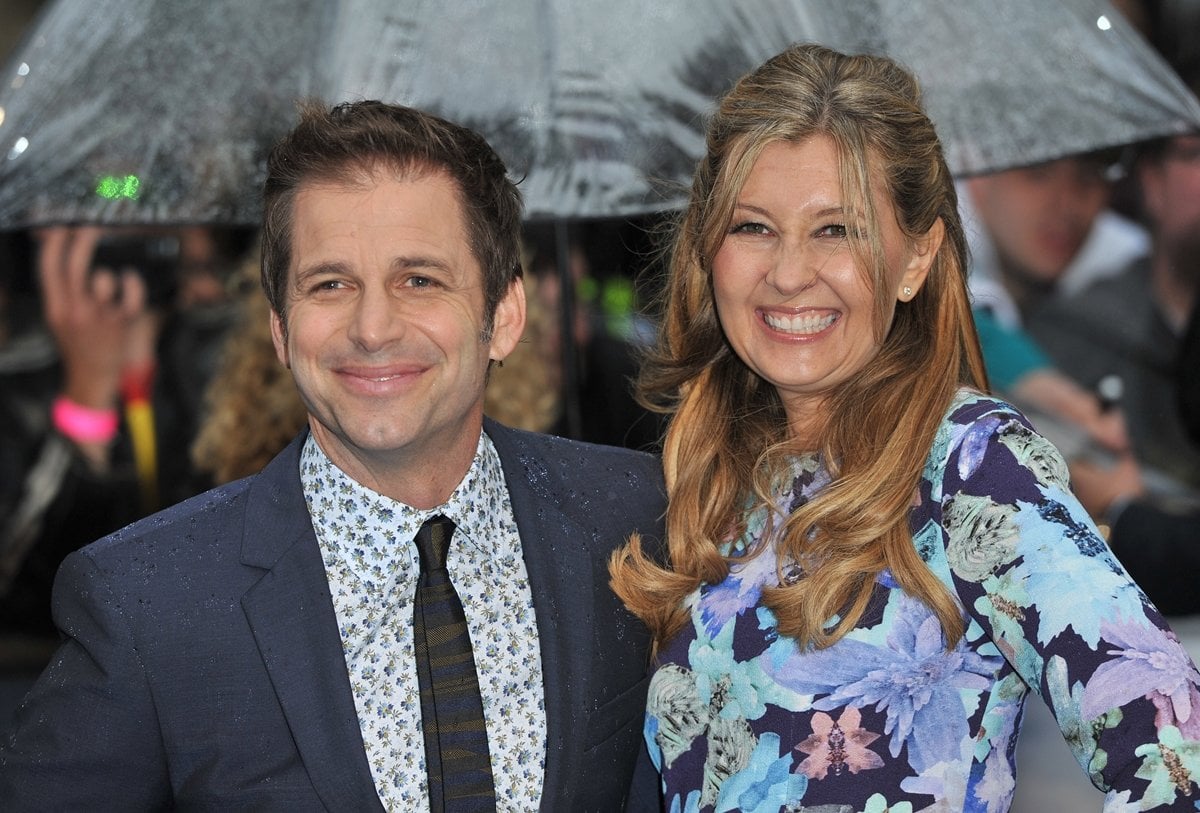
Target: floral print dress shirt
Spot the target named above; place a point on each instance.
(371, 563)
(888, 719)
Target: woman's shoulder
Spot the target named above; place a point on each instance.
(969, 413)
(975, 424)
(969, 407)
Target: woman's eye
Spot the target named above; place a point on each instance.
(749, 228)
(833, 230)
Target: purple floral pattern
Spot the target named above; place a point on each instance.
(889, 718)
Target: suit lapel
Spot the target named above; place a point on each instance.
(560, 576)
(291, 615)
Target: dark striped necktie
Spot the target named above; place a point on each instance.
(456, 748)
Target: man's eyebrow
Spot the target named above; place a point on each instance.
(331, 267)
(398, 264)
(419, 261)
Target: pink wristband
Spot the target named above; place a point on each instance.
(82, 424)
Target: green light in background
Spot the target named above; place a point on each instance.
(113, 187)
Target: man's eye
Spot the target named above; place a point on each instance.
(420, 282)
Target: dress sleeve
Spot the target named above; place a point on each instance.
(1039, 583)
(87, 735)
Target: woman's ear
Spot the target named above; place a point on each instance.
(920, 260)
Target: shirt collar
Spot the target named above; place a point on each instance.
(479, 506)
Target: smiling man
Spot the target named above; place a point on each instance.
(408, 608)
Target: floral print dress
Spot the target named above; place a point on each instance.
(887, 719)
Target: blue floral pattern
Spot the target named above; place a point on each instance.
(889, 718)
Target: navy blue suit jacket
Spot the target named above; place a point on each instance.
(202, 665)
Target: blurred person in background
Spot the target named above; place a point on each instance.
(1035, 233)
(59, 485)
(1132, 327)
(1187, 376)
(609, 332)
(1038, 236)
(100, 397)
(108, 343)
(1031, 363)
(1040, 231)
(252, 407)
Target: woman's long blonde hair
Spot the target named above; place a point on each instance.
(727, 443)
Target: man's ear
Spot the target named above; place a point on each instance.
(279, 339)
(920, 260)
(508, 323)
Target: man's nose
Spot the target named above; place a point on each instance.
(376, 319)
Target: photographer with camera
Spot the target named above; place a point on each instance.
(99, 402)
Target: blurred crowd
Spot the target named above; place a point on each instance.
(1084, 279)
(137, 369)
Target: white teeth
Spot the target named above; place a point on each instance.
(806, 323)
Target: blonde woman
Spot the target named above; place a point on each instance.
(871, 562)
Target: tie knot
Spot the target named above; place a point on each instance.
(433, 542)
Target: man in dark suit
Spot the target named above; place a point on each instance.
(254, 647)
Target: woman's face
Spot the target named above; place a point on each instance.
(793, 302)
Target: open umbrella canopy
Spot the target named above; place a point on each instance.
(160, 111)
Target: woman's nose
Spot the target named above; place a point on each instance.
(796, 268)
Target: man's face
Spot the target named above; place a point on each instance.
(385, 324)
(1171, 191)
(1039, 217)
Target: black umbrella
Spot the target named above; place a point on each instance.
(156, 111)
